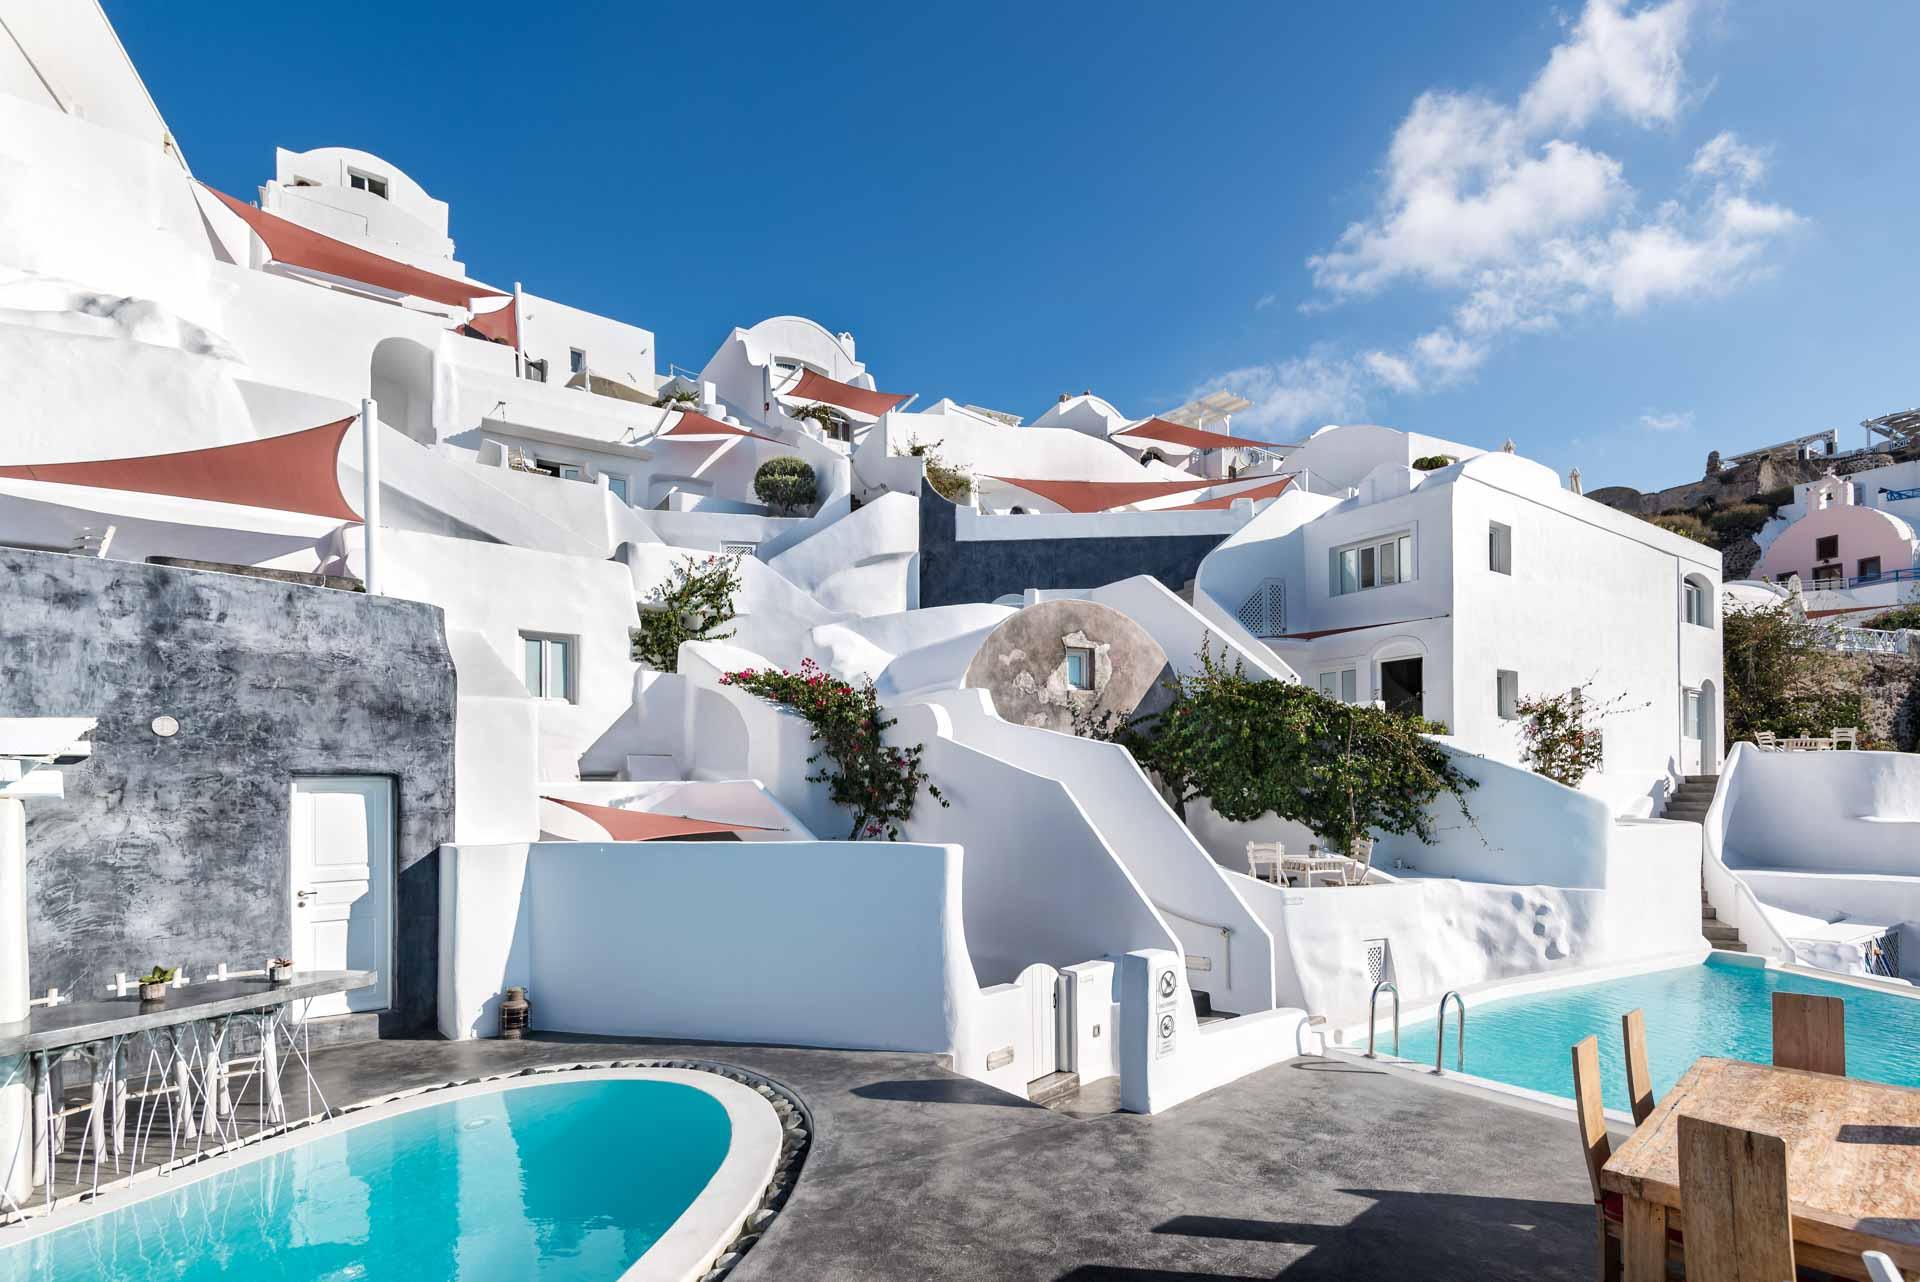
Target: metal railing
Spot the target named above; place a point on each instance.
(1871, 640)
(1373, 1010)
(1459, 1033)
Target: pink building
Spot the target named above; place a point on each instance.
(1839, 542)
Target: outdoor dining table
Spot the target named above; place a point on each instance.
(1853, 1163)
(1310, 866)
(1807, 744)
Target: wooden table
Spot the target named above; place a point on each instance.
(1853, 1163)
(1306, 866)
(1808, 744)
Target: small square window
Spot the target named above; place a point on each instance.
(536, 371)
(1869, 567)
(1507, 694)
(1826, 547)
(368, 183)
(576, 360)
(547, 666)
(1499, 548)
(1079, 668)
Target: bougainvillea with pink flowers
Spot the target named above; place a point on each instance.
(875, 781)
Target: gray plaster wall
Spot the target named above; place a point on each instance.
(955, 571)
(1022, 665)
(175, 849)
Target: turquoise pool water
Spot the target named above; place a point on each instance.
(563, 1182)
(1716, 1008)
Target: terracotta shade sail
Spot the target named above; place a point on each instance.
(1100, 496)
(693, 423)
(501, 325)
(818, 387)
(1227, 500)
(297, 472)
(644, 825)
(296, 246)
(1198, 438)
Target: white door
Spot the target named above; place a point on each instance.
(342, 881)
(1042, 984)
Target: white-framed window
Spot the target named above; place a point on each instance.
(548, 667)
(1698, 606)
(1499, 548)
(1690, 713)
(1375, 563)
(565, 471)
(739, 548)
(1079, 668)
(576, 360)
(617, 486)
(372, 184)
(1506, 694)
(1342, 684)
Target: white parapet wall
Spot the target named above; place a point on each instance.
(844, 944)
(1167, 1056)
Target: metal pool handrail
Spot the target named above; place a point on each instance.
(1459, 1033)
(1373, 1011)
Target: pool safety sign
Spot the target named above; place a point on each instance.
(1166, 997)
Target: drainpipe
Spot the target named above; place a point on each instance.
(370, 476)
(16, 1157)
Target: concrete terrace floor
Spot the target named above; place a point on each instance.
(1310, 1169)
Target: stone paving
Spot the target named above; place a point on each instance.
(1310, 1169)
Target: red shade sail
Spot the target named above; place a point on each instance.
(298, 472)
(296, 246)
(818, 387)
(1198, 438)
(644, 825)
(1100, 496)
(693, 423)
(1227, 500)
(502, 325)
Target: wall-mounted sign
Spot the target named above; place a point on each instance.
(1166, 998)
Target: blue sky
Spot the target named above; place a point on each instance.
(1621, 235)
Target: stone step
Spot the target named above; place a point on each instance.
(1718, 933)
(1706, 779)
(1707, 912)
(1731, 946)
(1052, 1087)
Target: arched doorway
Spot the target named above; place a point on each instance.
(402, 382)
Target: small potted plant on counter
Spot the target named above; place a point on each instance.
(280, 970)
(154, 984)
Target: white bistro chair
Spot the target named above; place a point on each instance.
(1263, 861)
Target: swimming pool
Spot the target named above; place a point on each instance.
(1717, 1007)
(558, 1180)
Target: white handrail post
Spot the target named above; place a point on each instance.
(370, 474)
(519, 345)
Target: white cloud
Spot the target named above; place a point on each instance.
(1312, 389)
(1503, 208)
(1395, 372)
(1667, 421)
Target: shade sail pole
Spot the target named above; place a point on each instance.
(519, 346)
(370, 502)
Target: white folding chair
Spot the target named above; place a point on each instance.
(1266, 855)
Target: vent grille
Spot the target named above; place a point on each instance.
(1379, 961)
(1265, 612)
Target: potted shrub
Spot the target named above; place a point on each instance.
(280, 970)
(154, 984)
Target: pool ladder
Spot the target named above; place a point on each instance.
(1459, 1033)
(1373, 1011)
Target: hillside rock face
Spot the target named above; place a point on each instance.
(1890, 701)
(1734, 485)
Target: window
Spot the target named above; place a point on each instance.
(576, 360)
(536, 371)
(367, 183)
(1828, 574)
(565, 471)
(1079, 668)
(1690, 713)
(1869, 567)
(1371, 565)
(617, 486)
(547, 665)
(739, 549)
(1506, 687)
(1342, 684)
(1826, 547)
(1499, 548)
(1693, 597)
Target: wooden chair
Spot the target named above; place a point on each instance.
(1267, 855)
(1734, 1212)
(1810, 1033)
(1765, 740)
(1608, 1208)
(1847, 737)
(1633, 1031)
